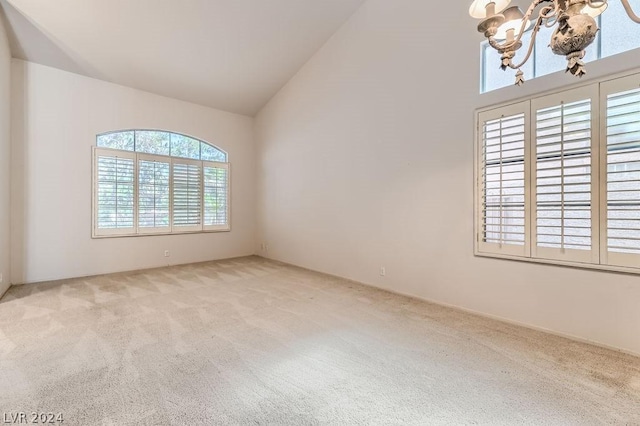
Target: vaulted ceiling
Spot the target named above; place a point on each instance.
(228, 54)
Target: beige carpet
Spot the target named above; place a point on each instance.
(249, 341)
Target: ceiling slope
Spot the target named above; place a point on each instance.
(232, 55)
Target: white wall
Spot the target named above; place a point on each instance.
(56, 116)
(5, 154)
(366, 160)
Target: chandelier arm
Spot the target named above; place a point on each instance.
(551, 22)
(532, 43)
(627, 7)
(494, 43)
(544, 14)
(549, 11)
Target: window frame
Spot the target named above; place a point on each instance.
(601, 88)
(170, 133)
(97, 233)
(483, 116)
(149, 158)
(217, 228)
(185, 228)
(618, 85)
(568, 96)
(113, 232)
(597, 46)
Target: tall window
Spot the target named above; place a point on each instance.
(559, 177)
(565, 167)
(155, 182)
(620, 135)
(617, 34)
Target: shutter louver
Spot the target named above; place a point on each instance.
(115, 197)
(565, 214)
(623, 176)
(504, 181)
(187, 195)
(503, 212)
(216, 209)
(153, 195)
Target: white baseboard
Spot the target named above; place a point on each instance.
(474, 312)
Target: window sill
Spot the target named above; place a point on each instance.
(155, 234)
(576, 265)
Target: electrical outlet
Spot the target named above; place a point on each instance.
(166, 253)
(266, 247)
(1, 278)
(383, 271)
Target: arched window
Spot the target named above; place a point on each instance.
(157, 182)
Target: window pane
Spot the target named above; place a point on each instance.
(115, 192)
(623, 172)
(186, 195)
(153, 194)
(563, 187)
(547, 62)
(494, 77)
(117, 140)
(215, 196)
(210, 153)
(619, 33)
(152, 142)
(185, 147)
(503, 170)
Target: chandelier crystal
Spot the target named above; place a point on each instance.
(575, 20)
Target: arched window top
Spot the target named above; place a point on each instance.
(160, 142)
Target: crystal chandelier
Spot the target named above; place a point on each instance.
(576, 28)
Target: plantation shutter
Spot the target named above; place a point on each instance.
(216, 196)
(621, 160)
(114, 197)
(153, 194)
(187, 195)
(565, 176)
(503, 208)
